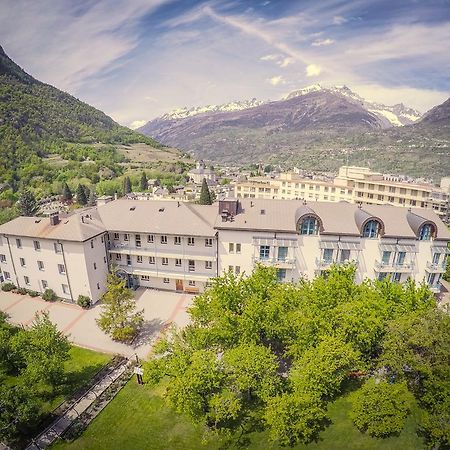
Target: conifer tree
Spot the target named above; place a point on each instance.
(81, 195)
(144, 181)
(126, 185)
(27, 204)
(66, 193)
(92, 200)
(205, 195)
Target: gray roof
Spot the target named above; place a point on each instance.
(77, 226)
(338, 218)
(160, 217)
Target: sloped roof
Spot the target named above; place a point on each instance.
(78, 226)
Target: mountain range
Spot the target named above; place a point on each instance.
(315, 127)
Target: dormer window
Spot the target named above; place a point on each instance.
(309, 225)
(371, 229)
(426, 232)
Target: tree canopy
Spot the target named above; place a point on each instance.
(260, 354)
(205, 195)
(27, 204)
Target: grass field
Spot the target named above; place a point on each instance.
(138, 419)
(143, 153)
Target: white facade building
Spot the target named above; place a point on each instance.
(181, 246)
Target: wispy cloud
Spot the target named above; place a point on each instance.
(339, 20)
(322, 42)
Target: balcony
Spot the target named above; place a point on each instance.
(323, 264)
(436, 268)
(435, 288)
(285, 263)
(381, 266)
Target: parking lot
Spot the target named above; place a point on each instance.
(160, 309)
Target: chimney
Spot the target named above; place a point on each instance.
(54, 218)
(230, 205)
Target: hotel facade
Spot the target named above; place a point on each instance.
(182, 246)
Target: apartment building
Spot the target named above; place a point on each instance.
(65, 253)
(162, 244)
(181, 246)
(353, 184)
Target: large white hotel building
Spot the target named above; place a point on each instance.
(181, 246)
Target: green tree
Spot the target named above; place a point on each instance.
(119, 318)
(143, 182)
(27, 204)
(92, 199)
(126, 185)
(380, 408)
(205, 195)
(81, 195)
(66, 193)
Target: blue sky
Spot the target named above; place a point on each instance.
(137, 59)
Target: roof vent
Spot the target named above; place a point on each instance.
(161, 209)
(132, 208)
(263, 212)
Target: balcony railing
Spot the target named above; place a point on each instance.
(326, 263)
(381, 266)
(277, 262)
(436, 267)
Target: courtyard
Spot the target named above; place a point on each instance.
(161, 309)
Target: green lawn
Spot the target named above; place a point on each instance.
(137, 418)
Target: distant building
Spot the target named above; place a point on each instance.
(353, 184)
(202, 172)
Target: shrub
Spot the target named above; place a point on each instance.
(84, 301)
(49, 295)
(32, 293)
(8, 287)
(380, 408)
(21, 291)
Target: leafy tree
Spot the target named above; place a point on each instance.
(143, 182)
(126, 185)
(380, 408)
(81, 195)
(27, 204)
(118, 317)
(205, 195)
(66, 193)
(42, 350)
(92, 200)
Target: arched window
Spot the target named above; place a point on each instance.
(426, 232)
(371, 229)
(309, 225)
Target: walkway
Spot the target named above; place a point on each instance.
(160, 309)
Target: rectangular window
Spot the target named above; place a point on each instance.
(208, 264)
(191, 241)
(116, 236)
(22, 262)
(62, 269)
(118, 257)
(231, 247)
(230, 268)
(7, 275)
(2, 258)
(237, 270)
(165, 280)
(44, 284)
(191, 283)
(208, 242)
(282, 253)
(281, 274)
(95, 266)
(401, 258)
(151, 260)
(92, 243)
(177, 240)
(163, 239)
(436, 257)
(40, 265)
(19, 243)
(58, 247)
(386, 258)
(37, 245)
(65, 288)
(98, 286)
(165, 261)
(145, 277)
(139, 258)
(137, 239)
(150, 238)
(264, 251)
(382, 276)
(27, 280)
(396, 276)
(238, 247)
(128, 260)
(125, 237)
(178, 262)
(191, 265)
(328, 255)
(345, 255)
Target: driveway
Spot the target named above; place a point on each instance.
(160, 309)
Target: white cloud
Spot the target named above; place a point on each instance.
(269, 57)
(286, 61)
(339, 20)
(276, 80)
(313, 70)
(137, 123)
(322, 42)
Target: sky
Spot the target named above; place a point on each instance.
(138, 59)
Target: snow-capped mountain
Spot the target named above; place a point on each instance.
(396, 115)
(183, 113)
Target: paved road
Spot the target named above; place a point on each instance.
(160, 309)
